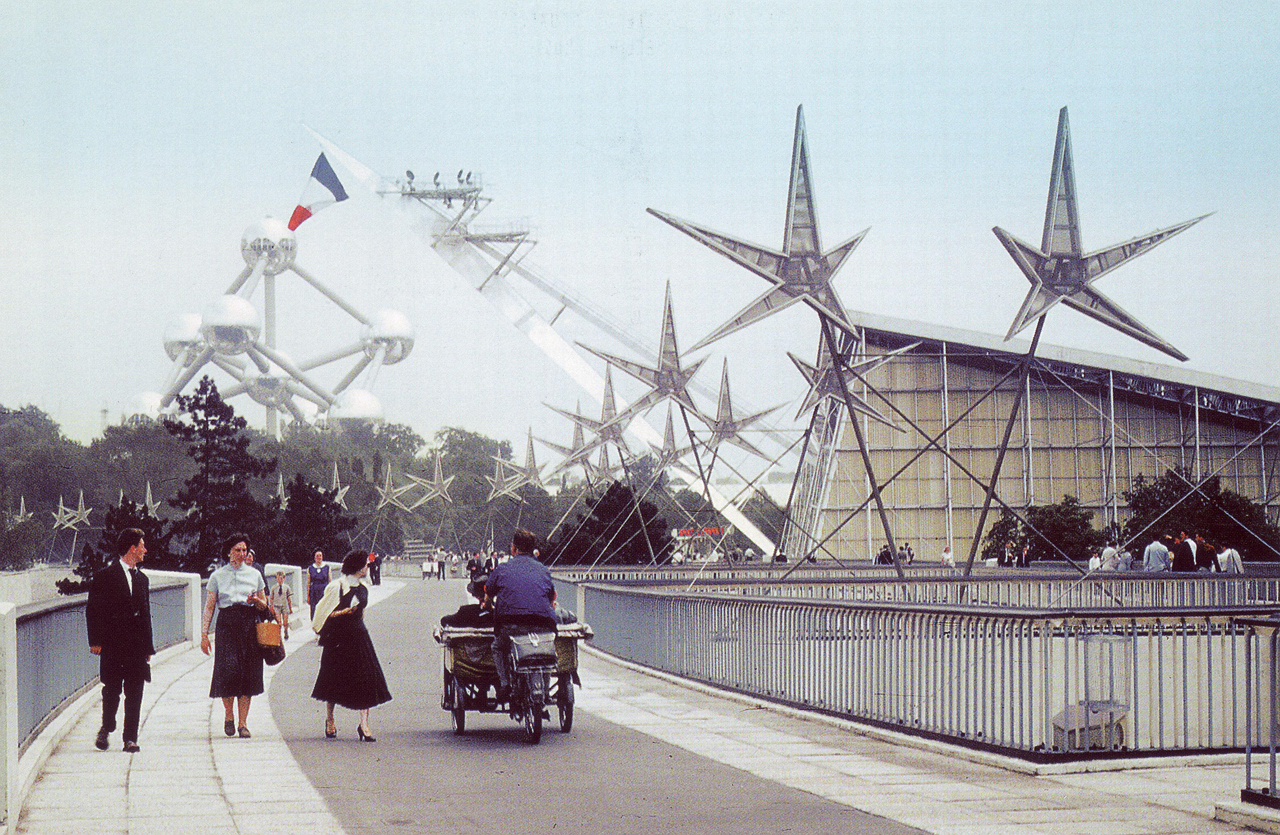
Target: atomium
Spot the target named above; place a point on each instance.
(239, 337)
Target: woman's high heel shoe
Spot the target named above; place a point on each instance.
(364, 737)
(330, 731)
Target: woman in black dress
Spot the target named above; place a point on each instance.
(349, 671)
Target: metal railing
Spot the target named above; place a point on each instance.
(1262, 659)
(1038, 683)
(53, 660)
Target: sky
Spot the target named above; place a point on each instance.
(138, 141)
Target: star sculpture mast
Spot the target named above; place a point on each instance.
(1060, 271)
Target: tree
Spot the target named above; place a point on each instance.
(216, 498)
(95, 557)
(1168, 504)
(1005, 531)
(617, 530)
(311, 520)
(21, 544)
(1061, 529)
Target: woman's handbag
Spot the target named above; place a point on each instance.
(269, 642)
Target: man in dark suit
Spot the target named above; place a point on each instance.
(119, 620)
(1184, 553)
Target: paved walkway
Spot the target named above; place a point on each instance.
(190, 778)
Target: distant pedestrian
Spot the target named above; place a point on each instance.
(317, 580)
(282, 603)
(948, 558)
(1206, 555)
(1229, 559)
(1156, 555)
(119, 619)
(1183, 553)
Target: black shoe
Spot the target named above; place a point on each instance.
(229, 727)
(244, 732)
(364, 737)
(101, 742)
(331, 734)
(131, 748)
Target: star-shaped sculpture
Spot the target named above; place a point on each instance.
(577, 451)
(824, 385)
(602, 470)
(725, 427)
(23, 514)
(339, 492)
(436, 487)
(1060, 270)
(280, 492)
(500, 484)
(151, 504)
(79, 516)
(389, 494)
(801, 271)
(608, 429)
(667, 380)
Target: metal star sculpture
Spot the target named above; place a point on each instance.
(823, 384)
(339, 492)
(23, 513)
(280, 492)
(1060, 270)
(500, 484)
(801, 271)
(603, 470)
(62, 515)
(577, 451)
(512, 477)
(151, 504)
(608, 429)
(389, 494)
(437, 487)
(667, 380)
(725, 427)
(79, 516)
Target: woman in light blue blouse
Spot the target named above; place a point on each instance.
(239, 593)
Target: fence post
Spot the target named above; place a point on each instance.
(9, 720)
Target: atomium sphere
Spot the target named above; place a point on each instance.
(273, 238)
(230, 325)
(391, 331)
(357, 405)
(182, 334)
(267, 389)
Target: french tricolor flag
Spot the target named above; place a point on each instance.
(323, 189)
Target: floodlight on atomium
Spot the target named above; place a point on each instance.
(182, 334)
(230, 325)
(391, 331)
(273, 238)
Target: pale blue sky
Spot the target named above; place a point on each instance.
(139, 140)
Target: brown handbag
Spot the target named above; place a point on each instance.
(269, 642)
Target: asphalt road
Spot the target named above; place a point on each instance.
(600, 778)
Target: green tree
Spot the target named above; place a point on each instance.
(1169, 504)
(216, 499)
(311, 519)
(22, 544)
(1006, 530)
(1061, 529)
(616, 530)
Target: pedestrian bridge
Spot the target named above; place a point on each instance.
(1047, 669)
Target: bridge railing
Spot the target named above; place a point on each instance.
(1262, 660)
(1041, 683)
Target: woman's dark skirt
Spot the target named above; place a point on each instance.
(350, 674)
(237, 661)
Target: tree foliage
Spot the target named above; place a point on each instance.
(98, 555)
(615, 530)
(217, 500)
(1172, 502)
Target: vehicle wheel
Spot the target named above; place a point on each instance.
(532, 725)
(449, 695)
(459, 715)
(564, 701)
